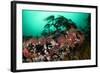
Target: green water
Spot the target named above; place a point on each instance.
(33, 21)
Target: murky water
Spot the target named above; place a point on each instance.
(33, 21)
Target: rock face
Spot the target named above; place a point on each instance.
(63, 47)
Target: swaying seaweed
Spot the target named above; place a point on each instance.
(59, 39)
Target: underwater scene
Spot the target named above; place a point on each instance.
(49, 36)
